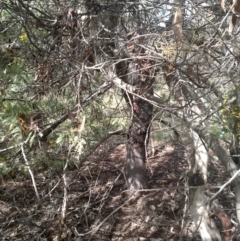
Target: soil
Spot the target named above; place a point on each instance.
(98, 206)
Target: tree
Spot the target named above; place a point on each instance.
(60, 59)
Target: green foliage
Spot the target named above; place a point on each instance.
(230, 114)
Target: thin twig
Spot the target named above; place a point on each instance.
(31, 174)
(94, 230)
(64, 205)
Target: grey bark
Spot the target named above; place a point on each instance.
(226, 160)
(199, 211)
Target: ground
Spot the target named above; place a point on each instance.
(98, 206)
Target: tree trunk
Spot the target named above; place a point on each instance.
(206, 227)
(226, 160)
(199, 211)
(140, 74)
(136, 146)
